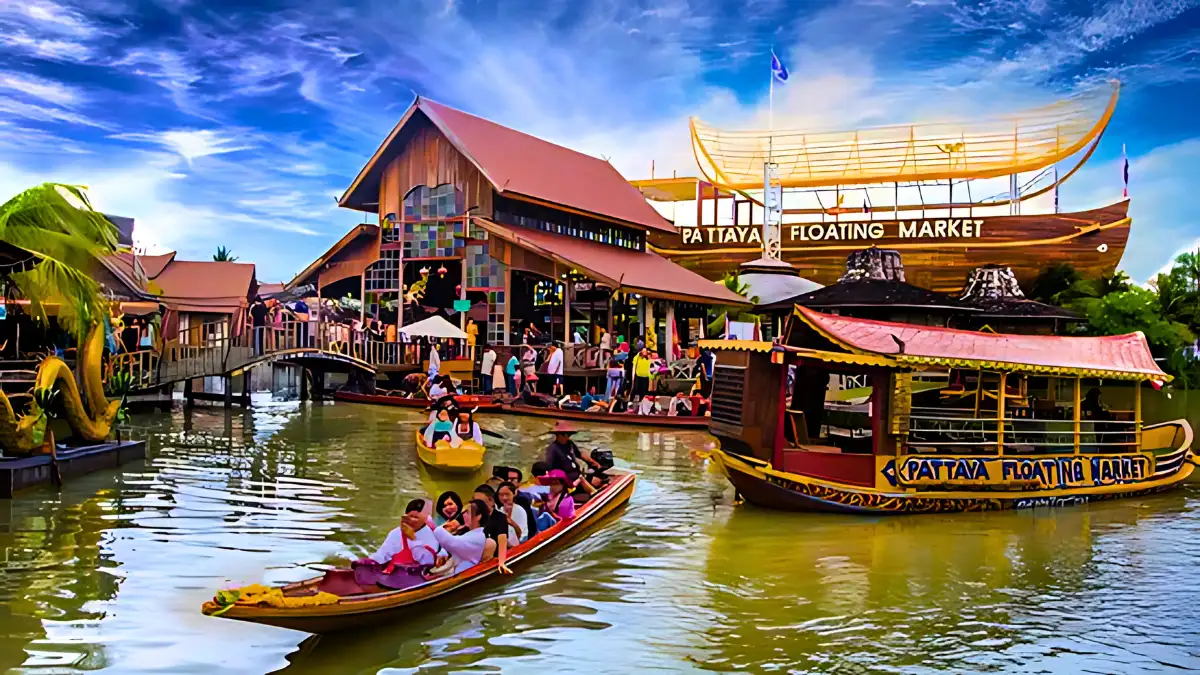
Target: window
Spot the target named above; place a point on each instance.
(384, 274)
(536, 217)
(438, 203)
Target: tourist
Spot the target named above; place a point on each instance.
(535, 490)
(680, 405)
(708, 363)
(554, 367)
(510, 373)
(440, 430)
(641, 373)
(559, 503)
(412, 535)
(486, 365)
(620, 404)
(593, 402)
(506, 494)
(616, 375)
(495, 525)
(435, 361)
(467, 542)
(467, 429)
(605, 342)
(300, 311)
(562, 454)
(577, 337)
(258, 322)
(449, 507)
(702, 408)
(649, 406)
(437, 388)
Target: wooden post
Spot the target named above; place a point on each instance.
(781, 419)
(228, 379)
(1077, 413)
(566, 284)
(670, 330)
(1000, 414)
(1137, 414)
(508, 293)
(246, 388)
(303, 384)
(319, 339)
(188, 397)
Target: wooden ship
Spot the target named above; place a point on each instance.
(933, 419)
(905, 188)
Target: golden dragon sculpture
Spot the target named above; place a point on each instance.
(90, 416)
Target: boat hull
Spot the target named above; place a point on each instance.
(679, 422)
(762, 486)
(465, 459)
(479, 403)
(397, 605)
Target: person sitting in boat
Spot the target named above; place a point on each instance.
(496, 525)
(441, 386)
(593, 402)
(467, 543)
(649, 405)
(620, 404)
(680, 405)
(448, 507)
(406, 554)
(564, 455)
(702, 408)
(535, 491)
(441, 429)
(466, 428)
(518, 510)
(559, 504)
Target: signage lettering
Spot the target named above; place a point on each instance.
(746, 235)
(1027, 472)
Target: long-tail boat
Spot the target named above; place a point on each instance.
(471, 401)
(466, 458)
(1009, 428)
(631, 419)
(349, 605)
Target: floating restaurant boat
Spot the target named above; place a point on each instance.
(625, 419)
(1008, 428)
(466, 458)
(352, 605)
(468, 401)
(910, 188)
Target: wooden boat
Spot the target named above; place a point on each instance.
(627, 419)
(480, 403)
(466, 458)
(357, 606)
(998, 451)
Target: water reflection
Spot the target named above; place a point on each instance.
(111, 571)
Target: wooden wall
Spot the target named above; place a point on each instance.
(427, 158)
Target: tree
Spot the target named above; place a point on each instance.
(1085, 293)
(1052, 281)
(62, 235)
(1138, 309)
(733, 282)
(224, 255)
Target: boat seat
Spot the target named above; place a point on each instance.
(341, 582)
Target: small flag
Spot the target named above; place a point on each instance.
(1125, 172)
(778, 70)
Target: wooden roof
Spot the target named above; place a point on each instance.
(518, 163)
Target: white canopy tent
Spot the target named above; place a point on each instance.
(433, 327)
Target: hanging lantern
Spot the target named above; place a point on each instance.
(424, 271)
(442, 271)
(458, 289)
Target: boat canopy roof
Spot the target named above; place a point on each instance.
(980, 148)
(1125, 357)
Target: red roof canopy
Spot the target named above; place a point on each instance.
(517, 162)
(636, 271)
(1114, 355)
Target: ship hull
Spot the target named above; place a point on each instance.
(1090, 241)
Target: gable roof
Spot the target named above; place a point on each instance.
(516, 162)
(206, 285)
(1116, 356)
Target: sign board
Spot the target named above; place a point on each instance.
(462, 305)
(867, 233)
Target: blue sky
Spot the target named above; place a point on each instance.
(223, 123)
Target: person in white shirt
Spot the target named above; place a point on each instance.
(435, 361)
(414, 534)
(577, 338)
(648, 406)
(473, 546)
(554, 368)
(486, 367)
(680, 405)
(437, 389)
(467, 429)
(605, 341)
(518, 529)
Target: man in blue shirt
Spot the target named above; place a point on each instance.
(592, 400)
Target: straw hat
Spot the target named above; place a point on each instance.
(564, 427)
(554, 475)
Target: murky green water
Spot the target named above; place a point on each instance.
(110, 573)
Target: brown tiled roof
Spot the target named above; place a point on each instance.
(635, 271)
(206, 286)
(517, 162)
(153, 265)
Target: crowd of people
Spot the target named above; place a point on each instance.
(449, 536)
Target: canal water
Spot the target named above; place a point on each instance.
(109, 573)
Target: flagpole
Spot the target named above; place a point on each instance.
(771, 108)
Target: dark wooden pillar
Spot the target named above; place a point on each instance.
(246, 388)
(188, 397)
(318, 385)
(304, 375)
(228, 391)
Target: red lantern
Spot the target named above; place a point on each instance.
(442, 271)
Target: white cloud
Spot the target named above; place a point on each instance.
(191, 144)
(40, 88)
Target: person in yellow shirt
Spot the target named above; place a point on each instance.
(641, 373)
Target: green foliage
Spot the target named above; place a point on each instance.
(1138, 309)
(733, 282)
(120, 384)
(224, 255)
(1053, 280)
(64, 235)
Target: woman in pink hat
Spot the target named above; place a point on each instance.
(559, 504)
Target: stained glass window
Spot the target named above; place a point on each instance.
(426, 203)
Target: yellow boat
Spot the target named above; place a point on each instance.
(1028, 438)
(466, 458)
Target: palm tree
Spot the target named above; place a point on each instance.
(224, 255)
(55, 237)
(733, 282)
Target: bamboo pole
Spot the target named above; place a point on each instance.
(1137, 414)
(1077, 413)
(1000, 414)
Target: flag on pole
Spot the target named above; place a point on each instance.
(1125, 172)
(778, 70)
